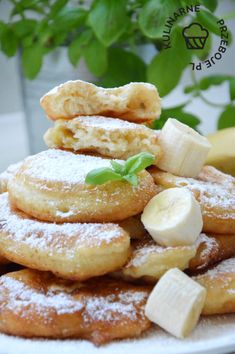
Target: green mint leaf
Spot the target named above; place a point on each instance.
(132, 179)
(138, 162)
(123, 68)
(202, 54)
(161, 72)
(108, 19)
(153, 15)
(227, 118)
(27, 41)
(56, 40)
(101, 176)
(210, 4)
(28, 3)
(191, 88)
(9, 42)
(178, 113)
(32, 59)
(120, 172)
(68, 19)
(96, 57)
(117, 167)
(56, 7)
(209, 20)
(188, 118)
(232, 88)
(23, 5)
(3, 27)
(212, 80)
(159, 123)
(152, 18)
(24, 27)
(76, 47)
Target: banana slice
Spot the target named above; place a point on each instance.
(184, 150)
(176, 303)
(173, 217)
(222, 153)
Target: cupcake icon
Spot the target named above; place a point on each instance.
(195, 36)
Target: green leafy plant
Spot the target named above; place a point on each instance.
(121, 172)
(107, 35)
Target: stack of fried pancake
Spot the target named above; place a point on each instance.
(90, 263)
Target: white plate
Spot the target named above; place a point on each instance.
(213, 335)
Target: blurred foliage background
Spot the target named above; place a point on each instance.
(107, 35)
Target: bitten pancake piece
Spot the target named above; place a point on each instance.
(73, 251)
(217, 199)
(37, 304)
(51, 186)
(136, 102)
(7, 175)
(220, 285)
(109, 137)
(210, 250)
(149, 261)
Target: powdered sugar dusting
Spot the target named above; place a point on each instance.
(211, 195)
(111, 307)
(210, 244)
(20, 296)
(226, 266)
(11, 169)
(145, 249)
(7, 175)
(212, 335)
(28, 292)
(64, 238)
(109, 123)
(62, 166)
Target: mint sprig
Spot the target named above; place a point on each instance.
(121, 172)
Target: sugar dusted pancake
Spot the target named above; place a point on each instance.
(211, 249)
(220, 285)
(216, 197)
(149, 261)
(109, 137)
(51, 186)
(134, 227)
(7, 175)
(136, 102)
(37, 304)
(73, 251)
(211, 174)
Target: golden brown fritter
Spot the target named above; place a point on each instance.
(214, 193)
(74, 251)
(37, 304)
(51, 186)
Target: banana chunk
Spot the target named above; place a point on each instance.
(173, 217)
(176, 303)
(222, 153)
(184, 150)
